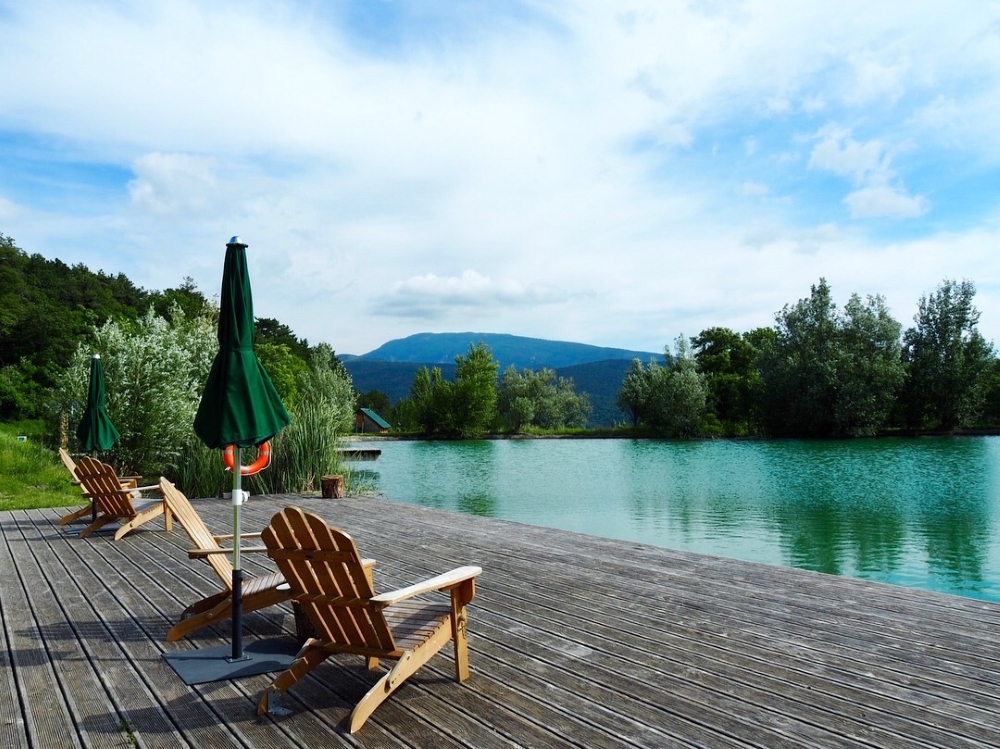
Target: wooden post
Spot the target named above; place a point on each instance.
(333, 486)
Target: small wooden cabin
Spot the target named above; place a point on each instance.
(367, 421)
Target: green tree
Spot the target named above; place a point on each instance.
(541, 399)
(378, 402)
(269, 330)
(947, 360)
(465, 408)
(678, 395)
(870, 368)
(475, 393)
(828, 374)
(728, 361)
(284, 367)
(187, 297)
(633, 396)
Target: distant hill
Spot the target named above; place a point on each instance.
(523, 353)
(600, 379)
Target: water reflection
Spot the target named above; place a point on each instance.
(919, 512)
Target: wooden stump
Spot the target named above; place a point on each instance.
(333, 486)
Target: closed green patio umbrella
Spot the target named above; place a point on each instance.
(239, 405)
(95, 431)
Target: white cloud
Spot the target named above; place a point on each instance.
(8, 209)
(433, 296)
(754, 189)
(171, 183)
(590, 161)
(885, 201)
(839, 153)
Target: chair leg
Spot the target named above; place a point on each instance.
(459, 621)
(310, 656)
(219, 612)
(75, 515)
(407, 665)
(102, 521)
(138, 520)
(207, 603)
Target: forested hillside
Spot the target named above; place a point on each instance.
(48, 309)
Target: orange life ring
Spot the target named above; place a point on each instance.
(262, 462)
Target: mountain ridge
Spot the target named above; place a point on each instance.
(520, 351)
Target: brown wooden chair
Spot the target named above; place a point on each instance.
(328, 581)
(125, 506)
(258, 592)
(128, 482)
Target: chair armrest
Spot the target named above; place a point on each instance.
(130, 489)
(444, 581)
(202, 553)
(229, 536)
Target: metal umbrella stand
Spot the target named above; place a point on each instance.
(239, 408)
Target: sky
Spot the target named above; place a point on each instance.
(612, 173)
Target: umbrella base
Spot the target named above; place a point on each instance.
(217, 664)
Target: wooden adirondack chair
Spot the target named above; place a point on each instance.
(114, 503)
(258, 592)
(128, 482)
(325, 572)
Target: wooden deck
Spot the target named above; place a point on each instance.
(574, 641)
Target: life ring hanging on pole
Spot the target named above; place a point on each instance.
(262, 462)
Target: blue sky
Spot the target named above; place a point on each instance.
(613, 173)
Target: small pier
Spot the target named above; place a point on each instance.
(359, 454)
(575, 642)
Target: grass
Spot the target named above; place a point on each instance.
(30, 475)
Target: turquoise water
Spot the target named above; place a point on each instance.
(915, 512)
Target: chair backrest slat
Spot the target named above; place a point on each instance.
(199, 533)
(318, 560)
(102, 484)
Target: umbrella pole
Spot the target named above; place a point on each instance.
(237, 569)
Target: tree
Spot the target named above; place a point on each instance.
(678, 396)
(269, 330)
(870, 368)
(946, 358)
(475, 392)
(187, 297)
(540, 399)
(633, 397)
(377, 401)
(728, 361)
(465, 408)
(827, 374)
(284, 367)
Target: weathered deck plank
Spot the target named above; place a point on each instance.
(575, 641)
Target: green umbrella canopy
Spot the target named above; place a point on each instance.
(239, 405)
(95, 431)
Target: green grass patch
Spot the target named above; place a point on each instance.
(30, 475)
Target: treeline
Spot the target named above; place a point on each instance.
(49, 309)
(478, 402)
(822, 371)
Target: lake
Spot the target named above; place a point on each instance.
(916, 512)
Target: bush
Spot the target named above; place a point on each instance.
(154, 370)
